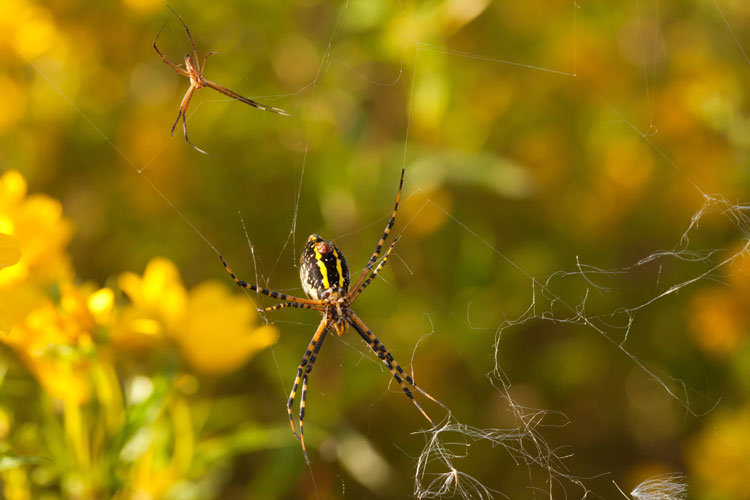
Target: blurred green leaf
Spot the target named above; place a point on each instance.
(481, 170)
(11, 461)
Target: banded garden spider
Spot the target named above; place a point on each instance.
(197, 82)
(324, 273)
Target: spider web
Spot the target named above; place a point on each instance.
(586, 295)
(550, 304)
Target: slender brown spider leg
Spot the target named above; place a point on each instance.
(398, 373)
(386, 232)
(235, 95)
(190, 37)
(183, 113)
(176, 67)
(176, 121)
(306, 366)
(205, 58)
(369, 279)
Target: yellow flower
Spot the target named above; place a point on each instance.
(158, 293)
(5, 322)
(101, 304)
(33, 235)
(10, 250)
(220, 331)
(10, 253)
(157, 304)
(216, 331)
(54, 340)
(36, 222)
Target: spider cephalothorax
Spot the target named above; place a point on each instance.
(194, 72)
(325, 279)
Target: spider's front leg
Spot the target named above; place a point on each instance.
(355, 292)
(205, 58)
(166, 61)
(266, 291)
(288, 304)
(386, 232)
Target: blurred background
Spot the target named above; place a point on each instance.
(573, 262)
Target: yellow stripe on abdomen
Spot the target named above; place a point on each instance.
(338, 268)
(323, 268)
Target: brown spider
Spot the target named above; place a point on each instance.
(197, 81)
(325, 278)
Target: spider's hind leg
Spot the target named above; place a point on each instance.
(398, 373)
(184, 131)
(303, 371)
(176, 121)
(183, 114)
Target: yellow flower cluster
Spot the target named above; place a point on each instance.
(215, 330)
(59, 327)
(79, 341)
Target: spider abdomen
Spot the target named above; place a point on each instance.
(323, 269)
